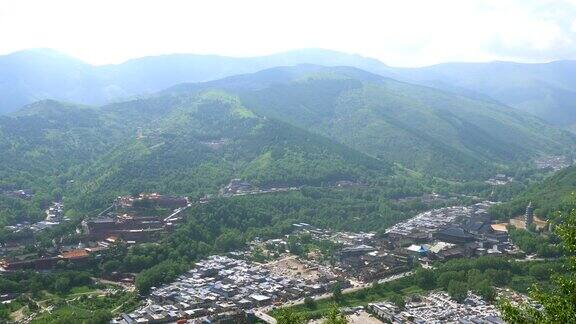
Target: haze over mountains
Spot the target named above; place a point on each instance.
(546, 90)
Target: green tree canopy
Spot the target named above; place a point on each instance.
(558, 304)
(334, 316)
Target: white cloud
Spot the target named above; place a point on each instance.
(412, 32)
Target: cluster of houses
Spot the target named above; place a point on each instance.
(439, 234)
(452, 232)
(554, 162)
(147, 200)
(25, 194)
(221, 285)
(499, 180)
(362, 257)
(437, 307)
(54, 215)
(128, 220)
(74, 254)
(238, 187)
(366, 257)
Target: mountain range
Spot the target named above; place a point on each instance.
(284, 126)
(425, 129)
(544, 90)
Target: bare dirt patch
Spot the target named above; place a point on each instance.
(292, 267)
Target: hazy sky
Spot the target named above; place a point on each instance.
(399, 33)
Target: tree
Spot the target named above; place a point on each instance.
(111, 266)
(62, 284)
(229, 241)
(310, 303)
(164, 271)
(334, 316)
(4, 312)
(425, 278)
(398, 300)
(100, 316)
(502, 277)
(540, 271)
(485, 290)
(337, 292)
(288, 316)
(445, 277)
(457, 290)
(558, 304)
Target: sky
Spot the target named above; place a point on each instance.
(399, 33)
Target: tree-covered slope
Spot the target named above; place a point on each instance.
(47, 138)
(449, 135)
(32, 75)
(188, 144)
(546, 90)
(556, 193)
(42, 146)
(285, 126)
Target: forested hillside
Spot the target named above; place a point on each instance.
(188, 144)
(448, 135)
(32, 75)
(546, 90)
(307, 125)
(42, 145)
(211, 138)
(557, 193)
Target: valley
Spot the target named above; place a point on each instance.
(278, 194)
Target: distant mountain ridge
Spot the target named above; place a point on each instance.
(425, 129)
(326, 122)
(545, 90)
(33, 75)
(49, 143)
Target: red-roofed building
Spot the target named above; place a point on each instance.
(75, 254)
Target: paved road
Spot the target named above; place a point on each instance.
(128, 287)
(262, 312)
(349, 290)
(536, 259)
(265, 317)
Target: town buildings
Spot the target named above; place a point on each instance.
(529, 215)
(554, 162)
(220, 285)
(451, 232)
(437, 307)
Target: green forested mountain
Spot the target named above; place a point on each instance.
(46, 139)
(32, 75)
(448, 135)
(545, 90)
(285, 126)
(190, 144)
(210, 138)
(557, 193)
(41, 145)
